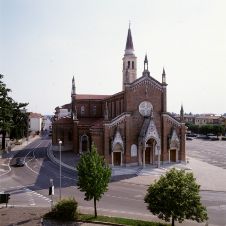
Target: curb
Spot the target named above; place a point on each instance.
(57, 161)
(48, 222)
(104, 223)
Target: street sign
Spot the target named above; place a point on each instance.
(51, 190)
(4, 198)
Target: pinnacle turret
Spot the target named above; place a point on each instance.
(73, 86)
(146, 71)
(182, 113)
(163, 76)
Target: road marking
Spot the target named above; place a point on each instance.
(138, 196)
(33, 150)
(31, 192)
(18, 186)
(16, 191)
(69, 178)
(8, 164)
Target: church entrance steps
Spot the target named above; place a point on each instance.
(118, 171)
(151, 171)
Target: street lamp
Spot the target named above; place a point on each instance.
(60, 142)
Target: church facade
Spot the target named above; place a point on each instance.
(131, 127)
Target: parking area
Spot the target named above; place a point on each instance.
(212, 152)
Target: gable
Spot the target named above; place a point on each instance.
(144, 81)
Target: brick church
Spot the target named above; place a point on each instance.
(131, 127)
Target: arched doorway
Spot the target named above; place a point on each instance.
(84, 142)
(117, 155)
(173, 155)
(149, 153)
(174, 147)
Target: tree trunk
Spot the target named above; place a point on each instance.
(172, 220)
(95, 207)
(3, 139)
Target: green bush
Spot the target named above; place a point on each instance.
(223, 138)
(64, 210)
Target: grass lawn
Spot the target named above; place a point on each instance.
(117, 220)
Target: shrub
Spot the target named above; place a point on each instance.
(64, 210)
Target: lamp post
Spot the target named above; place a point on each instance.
(60, 142)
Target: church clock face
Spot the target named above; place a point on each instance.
(145, 108)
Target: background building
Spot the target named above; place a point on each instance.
(35, 122)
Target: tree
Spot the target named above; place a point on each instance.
(192, 127)
(20, 121)
(176, 196)
(5, 111)
(218, 130)
(10, 112)
(93, 176)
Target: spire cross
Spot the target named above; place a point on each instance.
(129, 23)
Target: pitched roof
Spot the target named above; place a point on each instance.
(34, 115)
(93, 122)
(64, 120)
(90, 97)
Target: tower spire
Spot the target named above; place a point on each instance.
(182, 113)
(129, 43)
(73, 92)
(129, 62)
(163, 76)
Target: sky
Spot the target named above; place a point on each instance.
(44, 43)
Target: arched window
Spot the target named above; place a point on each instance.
(94, 110)
(70, 135)
(84, 143)
(82, 110)
(128, 64)
(132, 64)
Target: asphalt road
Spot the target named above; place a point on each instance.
(29, 185)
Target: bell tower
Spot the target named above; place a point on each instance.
(129, 62)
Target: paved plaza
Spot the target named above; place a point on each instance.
(212, 152)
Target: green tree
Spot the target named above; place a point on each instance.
(10, 112)
(192, 127)
(20, 121)
(218, 130)
(205, 129)
(93, 176)
(5, 111)
(176, 196)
